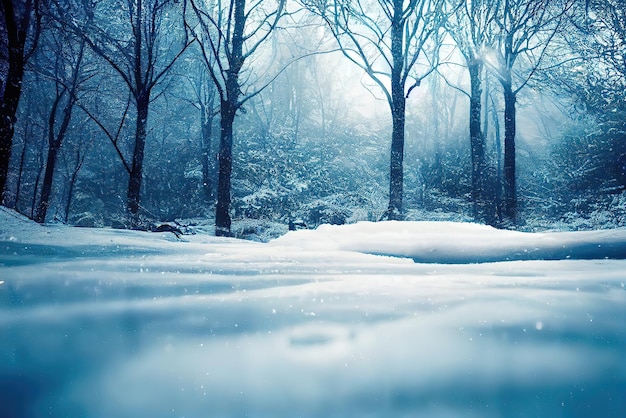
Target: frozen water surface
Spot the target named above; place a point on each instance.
(464, 321)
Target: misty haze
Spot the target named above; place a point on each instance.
(312, 208)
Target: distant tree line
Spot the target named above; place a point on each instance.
(127, 112)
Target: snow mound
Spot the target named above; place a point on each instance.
(457, 243)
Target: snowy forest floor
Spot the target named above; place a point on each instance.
(414, 319)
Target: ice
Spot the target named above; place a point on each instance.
(336, 322)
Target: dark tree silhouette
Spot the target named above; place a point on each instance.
(473, 29)
(141, 43)
(66, 71)
(230, 34)
(19, 33)
(389, 40)
(525, 30)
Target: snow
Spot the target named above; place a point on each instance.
(451, 242)
(335, 322)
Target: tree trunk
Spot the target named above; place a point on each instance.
(17, 23)
(396, 172)
(70, 197)
(477, 141)
(46, 187)
(208, 165)
(498, 178)
(55, 140)
(8, 110)
(398, 106)
(225, 158)
(510, 188)
(72, 186)
(229, 104)
(33, 204)
(134, 182)
(20, 172)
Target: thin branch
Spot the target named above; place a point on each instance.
(282, 70)
(112, 138)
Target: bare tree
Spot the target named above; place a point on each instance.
(72, 176)
(389, 40)
(526, 29)
(63, 64)
(19, 32)
(230, 34)
(473, 29)
(141, 42)
(204, 99)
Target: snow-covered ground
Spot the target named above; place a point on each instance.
(368, 320)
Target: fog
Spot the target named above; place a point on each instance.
(312, 208)
(313, 127)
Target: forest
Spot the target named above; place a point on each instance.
(262, 114)
(312, 208)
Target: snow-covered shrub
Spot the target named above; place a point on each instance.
(88, 219)
(258, 230)
(324, 211)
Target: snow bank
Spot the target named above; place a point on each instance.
(439, 242)
(454, 243)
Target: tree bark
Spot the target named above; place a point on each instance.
(16, 37)
(46, 187)
(18, 188)
(208, 164)
(225, 157)
(40, 169)
(72, 185)
(55, 140)
(477, 141)
(398, 115)
(510, 188)
(396, 172)
(16, 29)
(142, 101)
(135, 179)
(229, 104)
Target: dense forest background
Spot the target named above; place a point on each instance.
(130, 113)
